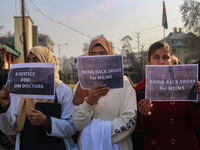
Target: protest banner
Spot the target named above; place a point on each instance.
(32, 80)
(101, 69)
(171, 82)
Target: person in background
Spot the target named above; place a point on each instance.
(19, 116)
(6, 142)
(117, 106)
(166, 125)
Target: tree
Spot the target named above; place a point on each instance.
(132, 67)
(126, 47)
(192, 41)
(66, 68)
(69, 69)
(190, 10)
(1, 35)
(85, 47)
(62, 76)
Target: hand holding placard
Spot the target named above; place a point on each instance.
(4, 97)
(96, 93)
(171, 82)
(32, 80)
(145, 107)
(198, 92)
(101, 69)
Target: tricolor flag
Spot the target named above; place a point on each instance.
(164, 17)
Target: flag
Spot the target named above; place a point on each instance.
(164, 17)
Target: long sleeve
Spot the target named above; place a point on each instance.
(144, 123)
(194, 114)
(82, 115)
(63, 127)
(118, 106)
(8, 119)
(125, 124)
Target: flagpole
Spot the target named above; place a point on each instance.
(164, 33)
(164, 20)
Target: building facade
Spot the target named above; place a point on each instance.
(46, 41)
(10, 54)
(182, 45)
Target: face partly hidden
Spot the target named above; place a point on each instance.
(160, 57)
(32, 58)
(98, 50)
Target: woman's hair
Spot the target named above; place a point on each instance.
(158, 45)
(175, 60)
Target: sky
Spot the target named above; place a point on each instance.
(84, 19)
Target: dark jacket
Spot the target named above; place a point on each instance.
(171, 125)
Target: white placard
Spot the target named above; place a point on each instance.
(32, 80)
(101, 69)
(171, 82)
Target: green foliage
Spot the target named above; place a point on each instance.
(62, 76)
(134, 67)
(136, 72)
(126, 47)
(190, 10)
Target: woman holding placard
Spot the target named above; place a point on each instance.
(166, 125)
(6, 142)
(103, 113)
(39, 123)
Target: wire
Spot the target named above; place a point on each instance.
(157, 25)
(27, 10)
(58, 21)
(64, 24)
(85, 33)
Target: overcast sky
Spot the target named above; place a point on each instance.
(112, 18)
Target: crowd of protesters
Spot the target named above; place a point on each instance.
(100, 118)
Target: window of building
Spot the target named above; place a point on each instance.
(174, 51)
(185, 50)
(41, 40)
(12, 59)
(7, 57)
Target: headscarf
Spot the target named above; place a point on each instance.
(25, 104)
(80, 93)
(175, 60)
(3, 73)
(103, 42)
